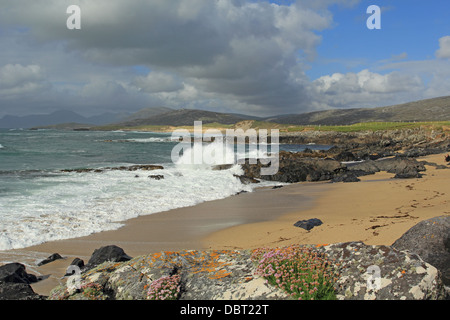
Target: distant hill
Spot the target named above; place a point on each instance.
(30, 121)
(63, 119)
(436, 109)
(185, 117)
(146, 113)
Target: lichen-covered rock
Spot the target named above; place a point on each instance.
(370, 272)
(214, 275)
(430, 239)
(231, 275)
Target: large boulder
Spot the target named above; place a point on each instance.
(18, 291)
(16, 273)
(15, 283)
(430, 239)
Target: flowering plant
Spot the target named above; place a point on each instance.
(302, 273)
(164, 288)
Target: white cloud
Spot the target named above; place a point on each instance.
(444, 48)
(16, 79)
(364, 88)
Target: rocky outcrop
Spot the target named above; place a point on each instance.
(402, 167)
(144, 167)
(232, 275)
(199, 275)
(365, 143)
(413, 268)
(298, 167)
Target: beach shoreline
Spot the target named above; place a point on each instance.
(376, 210)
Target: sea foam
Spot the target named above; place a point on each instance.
(78, 204)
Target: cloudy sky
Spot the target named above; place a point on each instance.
(246, 56)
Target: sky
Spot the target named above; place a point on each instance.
(254, 57)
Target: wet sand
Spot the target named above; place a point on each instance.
(178, 229)
(377, 210)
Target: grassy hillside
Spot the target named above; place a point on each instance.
(436, 109)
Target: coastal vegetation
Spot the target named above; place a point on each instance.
(286, 128)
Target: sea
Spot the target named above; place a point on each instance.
(42, 200)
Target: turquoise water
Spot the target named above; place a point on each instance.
(40, 203)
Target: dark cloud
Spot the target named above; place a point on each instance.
(225, 55)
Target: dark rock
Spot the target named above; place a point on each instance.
(346, 177)
(345, 156)
(222, 167)
(108, 253)
(77, 262)
(308, 224)
(247, 180)
(408, 174)
(296, 168)
(16, 273)
(18, 291)
(156, 177)
(145, 167)
(430, 239)
(52, 258)
(402, 167)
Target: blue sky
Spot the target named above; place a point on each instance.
(409, 27)
(244, 56)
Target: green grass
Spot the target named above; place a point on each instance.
(358, 127)
(373, 126)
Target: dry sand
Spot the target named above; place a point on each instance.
(377, 210)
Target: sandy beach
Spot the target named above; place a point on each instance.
(376, 210)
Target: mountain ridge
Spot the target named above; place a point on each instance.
(434, 109)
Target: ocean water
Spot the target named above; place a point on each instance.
(40, 203)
